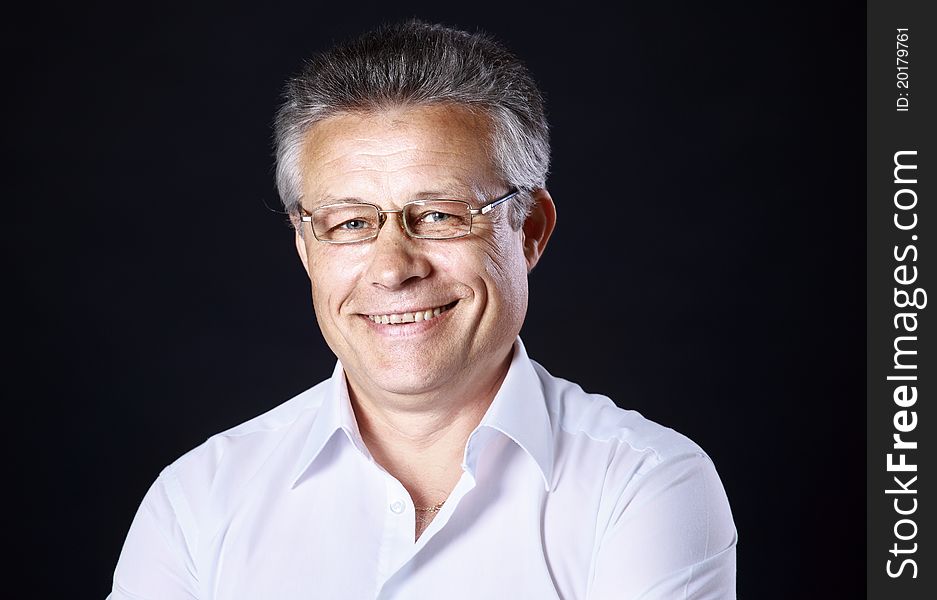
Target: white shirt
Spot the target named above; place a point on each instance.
(563, 495)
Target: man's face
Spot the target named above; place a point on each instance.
(478, 283)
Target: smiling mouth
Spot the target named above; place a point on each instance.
(411, 317)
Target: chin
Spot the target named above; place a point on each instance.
(408, 382)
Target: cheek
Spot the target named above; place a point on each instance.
(510, 287)
(494, 266)
(330, 277)
(508, 270)
(506, 261)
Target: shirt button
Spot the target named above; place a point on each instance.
(396, 507)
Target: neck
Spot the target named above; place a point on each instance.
(421, 441)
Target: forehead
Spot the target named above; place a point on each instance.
(400, 153)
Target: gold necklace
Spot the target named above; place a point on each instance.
(429, 509)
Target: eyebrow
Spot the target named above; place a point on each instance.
(453, 193)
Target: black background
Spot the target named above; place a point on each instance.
(153, 299)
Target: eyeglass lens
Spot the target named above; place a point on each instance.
(434, 219)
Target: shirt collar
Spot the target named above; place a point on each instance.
(518, 411)
(335, 414)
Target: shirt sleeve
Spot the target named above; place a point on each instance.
(670, 537)
(156, 562)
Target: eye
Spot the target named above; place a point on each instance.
(352, 225)
(434, 217)
(438, 219)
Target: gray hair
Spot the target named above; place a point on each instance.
(416, 64)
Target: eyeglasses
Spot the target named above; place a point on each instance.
(346, 223)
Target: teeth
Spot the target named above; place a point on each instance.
(414, 317)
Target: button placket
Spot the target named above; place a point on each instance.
(397, 537)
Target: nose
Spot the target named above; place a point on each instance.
(395, 258)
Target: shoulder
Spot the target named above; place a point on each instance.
(656, 496)
(233, 456)
(593, 423)
(617, 455)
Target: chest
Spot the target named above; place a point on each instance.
(348, 532)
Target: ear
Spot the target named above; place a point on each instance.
(538, 226)
(301, 250)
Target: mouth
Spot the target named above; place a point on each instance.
(416, 316)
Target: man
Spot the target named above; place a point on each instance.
(439, 461)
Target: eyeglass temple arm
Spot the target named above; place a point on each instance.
(307, 218)
(488, 207)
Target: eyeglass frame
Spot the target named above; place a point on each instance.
(306, 216)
